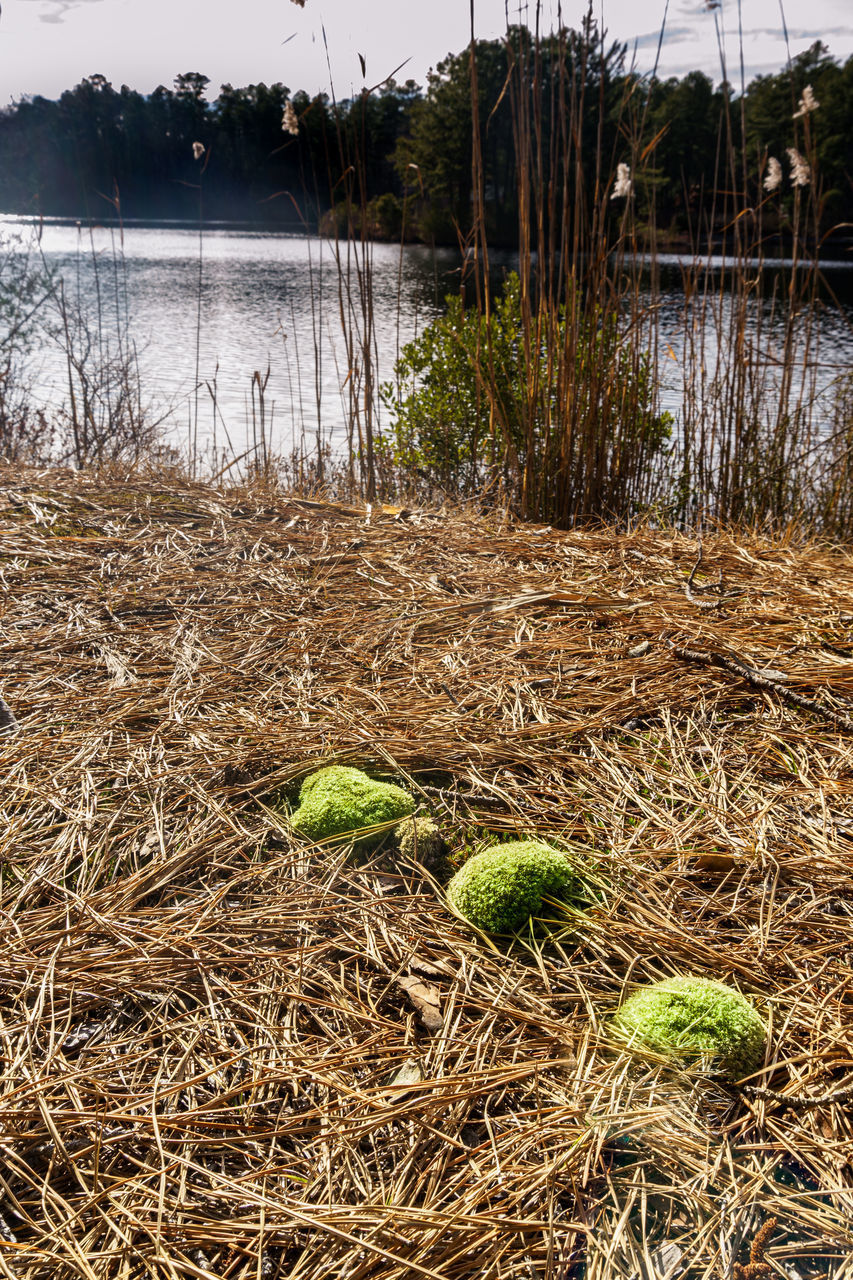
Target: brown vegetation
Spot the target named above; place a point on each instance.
(214, 1059)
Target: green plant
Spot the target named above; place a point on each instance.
(339, 801)
(500, 889)
(380, 219)
(480, 397)
(690, 1018)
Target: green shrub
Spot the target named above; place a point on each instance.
(690, 1018)
(473, 395)
(500, 889)
(381, 219)
(339, 801)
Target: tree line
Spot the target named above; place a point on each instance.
(398, 160)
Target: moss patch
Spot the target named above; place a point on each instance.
(696, 1018)
(338, 801)
(499, 890)
(421, 840)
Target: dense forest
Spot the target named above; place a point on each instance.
(401, 155)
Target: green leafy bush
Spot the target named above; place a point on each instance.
(524, 397)
(500, 889)
(690, 1018)
(380, 219)
(339, 801)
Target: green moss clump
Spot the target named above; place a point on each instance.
(499, 890)
(420, 838)
(691, 1018)
(338, 801)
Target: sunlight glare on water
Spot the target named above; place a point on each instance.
(267, 299)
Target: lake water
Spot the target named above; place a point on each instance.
(261, 299)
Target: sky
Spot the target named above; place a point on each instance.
(50, 45)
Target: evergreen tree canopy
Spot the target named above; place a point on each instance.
(400, 149)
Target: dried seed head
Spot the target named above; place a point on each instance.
(623, 186)
(289, 120)
(801, 174)
(773, 177)
(198, 150)
(808, 103)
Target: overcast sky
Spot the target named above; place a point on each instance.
(49, 45)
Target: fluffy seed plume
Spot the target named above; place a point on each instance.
(623, 186)
(808, 103)
(198, 150)
(289, 120)
(773, 176)
(801, 174)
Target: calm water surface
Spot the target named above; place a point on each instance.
(265, 299)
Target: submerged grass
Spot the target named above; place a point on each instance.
(230, 1053)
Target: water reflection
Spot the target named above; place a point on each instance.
(261, 299)
(257, 299)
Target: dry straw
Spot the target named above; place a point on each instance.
(229, 1054)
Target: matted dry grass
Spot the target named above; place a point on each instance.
(210, 1066)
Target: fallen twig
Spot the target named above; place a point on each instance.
(691, 586)
(760, 681)
(837, 1097)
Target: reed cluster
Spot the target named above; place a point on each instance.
(568, 390)
(593, 403)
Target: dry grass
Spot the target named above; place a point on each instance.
(202, 1018)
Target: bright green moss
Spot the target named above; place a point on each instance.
(338, 801)
(499, 890)
(692, 1018)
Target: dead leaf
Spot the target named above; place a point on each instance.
(8, 721)
(666, 1262)
(715, 862)
(410, 1074)
(426, 999)
(386, 884)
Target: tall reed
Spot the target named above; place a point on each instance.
(577, 439)
(576, 429)
(353, 256)
(106, 415)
